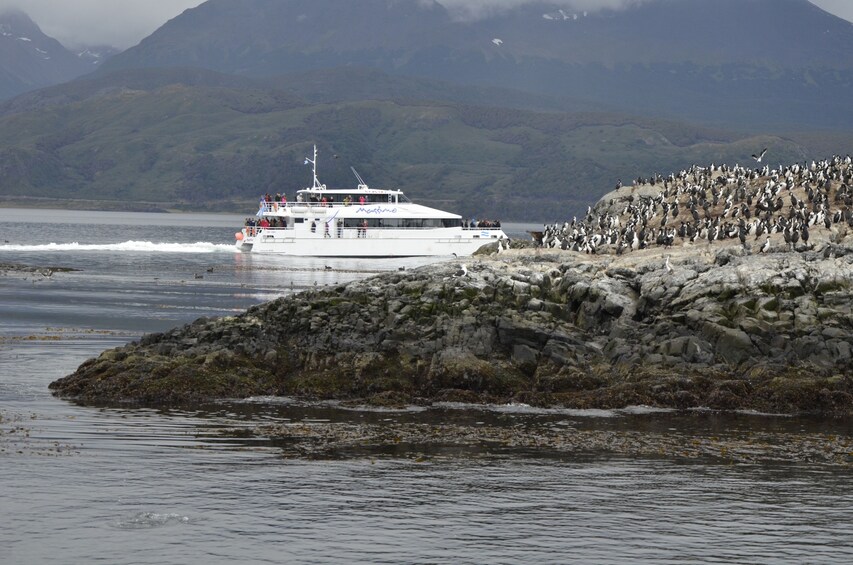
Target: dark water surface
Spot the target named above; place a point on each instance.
(123, 485)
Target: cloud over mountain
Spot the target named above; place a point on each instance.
(126, 22)
(96, 22)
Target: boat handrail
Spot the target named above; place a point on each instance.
(256, 229)
(276, 206)
(311, 206)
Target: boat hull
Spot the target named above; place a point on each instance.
(454, 242)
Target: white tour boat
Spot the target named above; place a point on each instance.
(360, 222)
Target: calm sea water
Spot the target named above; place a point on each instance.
(122, 485)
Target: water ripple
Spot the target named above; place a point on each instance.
(146, 520)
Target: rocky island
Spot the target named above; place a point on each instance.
(661, 296)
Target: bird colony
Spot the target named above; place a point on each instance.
(762, 208)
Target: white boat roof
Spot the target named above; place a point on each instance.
(373, 209)
(362, 189)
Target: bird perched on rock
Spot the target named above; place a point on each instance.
(537, 237)
(766, 246)
(462, 271)
(667, 265)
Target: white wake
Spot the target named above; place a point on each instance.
(141, 246)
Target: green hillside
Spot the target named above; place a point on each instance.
(200, 147)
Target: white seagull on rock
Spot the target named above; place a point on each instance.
(461, 272)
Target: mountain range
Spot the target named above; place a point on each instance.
(30, 60)
(528, 113)
(763, 63)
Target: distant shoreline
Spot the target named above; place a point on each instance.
(36, 203)
(249, 209)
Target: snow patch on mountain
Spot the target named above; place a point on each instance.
(562, 15)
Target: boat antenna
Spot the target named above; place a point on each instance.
(361, 184)
(314, 169)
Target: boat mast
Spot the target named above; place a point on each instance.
(314, 169)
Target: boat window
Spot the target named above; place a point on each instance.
(356, 198)
(406, 223)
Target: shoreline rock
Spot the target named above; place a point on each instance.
(25, 270)
(721, 328)
(425, 441)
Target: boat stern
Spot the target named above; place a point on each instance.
(243, 240)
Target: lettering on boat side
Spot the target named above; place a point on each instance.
(377, 210)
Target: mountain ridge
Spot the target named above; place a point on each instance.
(30, 60)
(762, 63)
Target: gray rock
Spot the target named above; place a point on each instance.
(546, 317)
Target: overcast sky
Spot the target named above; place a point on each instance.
(123, 23)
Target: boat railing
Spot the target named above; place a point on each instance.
(276, 206)
(252, 231)
(354, 231)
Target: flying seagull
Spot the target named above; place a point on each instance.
(760, 156)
